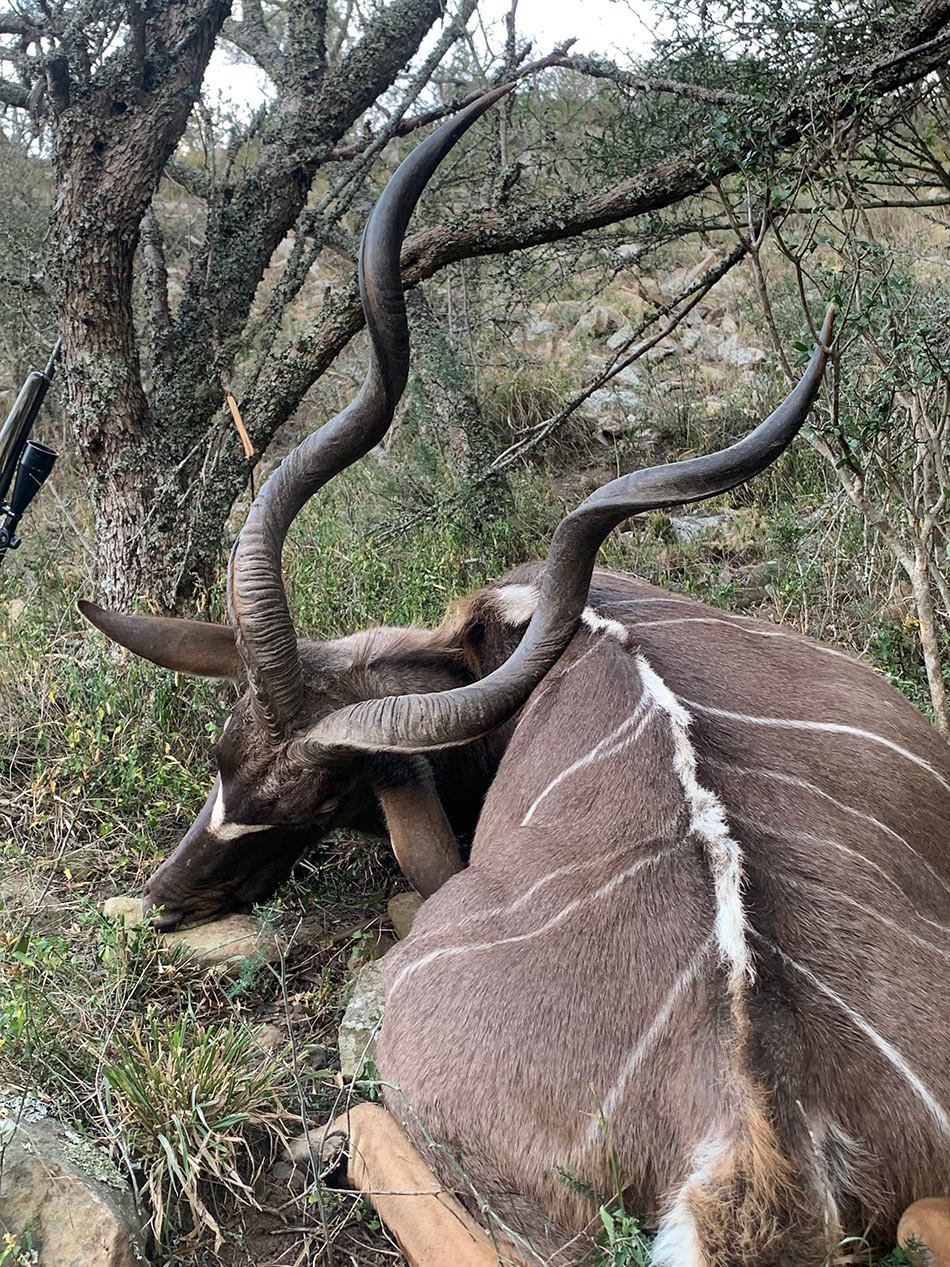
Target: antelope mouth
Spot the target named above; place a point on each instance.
(167, 918)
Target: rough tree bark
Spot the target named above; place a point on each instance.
(118, 87)
(113, 132)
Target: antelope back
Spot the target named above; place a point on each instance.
(702, 946)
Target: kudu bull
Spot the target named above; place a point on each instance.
(700, 950)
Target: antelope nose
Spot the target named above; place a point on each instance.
(164, 919)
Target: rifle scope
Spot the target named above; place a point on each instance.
(23, 462)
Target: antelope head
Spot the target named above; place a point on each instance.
(324, 731)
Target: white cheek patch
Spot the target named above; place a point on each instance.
(222, 830)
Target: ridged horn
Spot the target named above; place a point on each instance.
(423, 723)
(257, 602)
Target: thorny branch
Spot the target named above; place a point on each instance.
(632, 349)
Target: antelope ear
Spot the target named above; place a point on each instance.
(187, 646)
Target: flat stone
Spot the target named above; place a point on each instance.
(65, 1195)
(738, 355)
(403, 909)
(690, 340)
(627, 377)
(126, 909)
(361, 1021)
(230, 941)
(622, 336)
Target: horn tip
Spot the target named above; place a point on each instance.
(89, 609)
(831, 313)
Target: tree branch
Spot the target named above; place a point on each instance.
(160, 331)
(306, 41)
(14, 94)
(255, 214)
(493, 232)
(19, 24)
(251, 36)
(194, 180)
(406, 127)
(601, 69)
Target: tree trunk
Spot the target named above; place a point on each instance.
(114, 130)
(930, 641)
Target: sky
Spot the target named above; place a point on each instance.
(615, 28)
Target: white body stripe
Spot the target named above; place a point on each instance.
(792, 781)
(471, 948)
(595, 1133)
(809, 838)
(901, 929)
(605, 625)
(752, 633)
(708, 821)
(616, 741)
(789, 723)
(677, 1241)
(491, 914)
(888, 1050)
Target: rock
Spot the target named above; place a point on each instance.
(565, 312)
(728, 325)
(402, 909)
(28, 898)
(735, 353)
(924, 1232)
(687, 528)
(538, 328)
(371, 943)
(271, 1038)
(627, 377)
(126, 909)
(660, 351)
(713, 337)
(63, 1197)
(614, 401)
(601, 320)
(690, 340)
(225, 941)
(683, 278)
(615, 410)
(622, 336)
(539, 336)
(361, 1020)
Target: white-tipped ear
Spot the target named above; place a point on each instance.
(187, 646)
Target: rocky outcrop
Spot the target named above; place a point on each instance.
(61, 1199)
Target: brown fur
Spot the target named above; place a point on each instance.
(778, 1073)
(555, 1025)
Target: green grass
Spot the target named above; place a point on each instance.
(186, 1095)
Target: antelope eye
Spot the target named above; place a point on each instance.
(329, 805)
